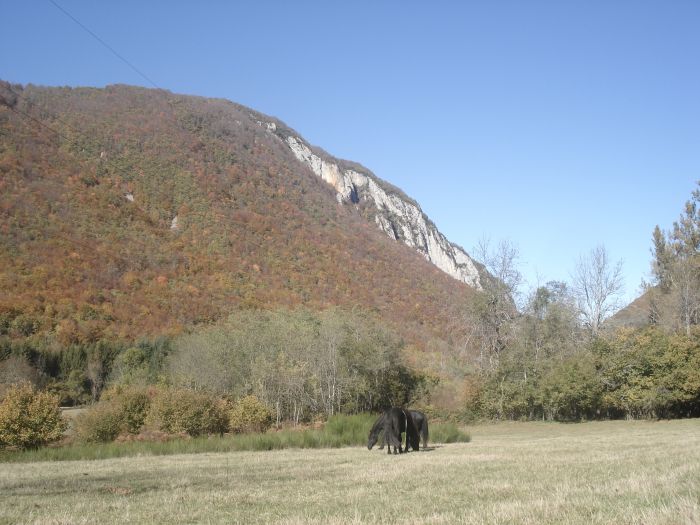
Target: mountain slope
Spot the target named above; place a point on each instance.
(127, 211)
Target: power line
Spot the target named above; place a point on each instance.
(105, 44)
(128, 176)
(120, 57)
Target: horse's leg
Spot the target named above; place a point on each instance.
(404, 429)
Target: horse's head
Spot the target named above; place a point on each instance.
(375, 431)
(372, 440)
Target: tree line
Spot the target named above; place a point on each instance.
(300, 363)
(561, 357)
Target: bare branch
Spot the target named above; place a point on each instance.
(598, 285)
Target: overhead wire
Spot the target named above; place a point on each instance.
(105, 44)
(27, 116)
(111, 49)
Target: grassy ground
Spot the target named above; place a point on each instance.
(610, 472)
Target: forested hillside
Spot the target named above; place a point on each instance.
(128, 212)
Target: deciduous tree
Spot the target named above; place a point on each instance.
(597, 286)
(489, 319)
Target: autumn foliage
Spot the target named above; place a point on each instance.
(29, 418)
(249, 414)
(91, 181)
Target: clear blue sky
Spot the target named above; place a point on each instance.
(555, 125)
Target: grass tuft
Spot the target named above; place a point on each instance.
(448, 433)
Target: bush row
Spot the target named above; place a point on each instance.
(131, 410)
(339, 431)
(30, 418)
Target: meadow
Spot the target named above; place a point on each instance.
(598, 472)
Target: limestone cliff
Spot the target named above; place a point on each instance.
(395, 214)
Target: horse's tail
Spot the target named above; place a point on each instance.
(412, 437)
(392, 429)
(421, 422)
(424, 434)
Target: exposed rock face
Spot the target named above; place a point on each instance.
(395, 215)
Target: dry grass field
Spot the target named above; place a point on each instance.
(608, 472)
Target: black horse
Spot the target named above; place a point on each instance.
(393, 423)
(420, 420)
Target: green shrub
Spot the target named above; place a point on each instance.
(121, 410)
(29, 418)
(24, 325)
(101, 423)
(73, 390)
(133, 403)
(192, 412)
(448, 433)
(249, 414)
(349, 429)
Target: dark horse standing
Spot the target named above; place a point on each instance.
(393, 422)
(420, 420)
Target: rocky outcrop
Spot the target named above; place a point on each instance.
(395, 214)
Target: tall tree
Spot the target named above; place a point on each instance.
(597, 284)
(676, 268)
(550, 326)
(490, 317)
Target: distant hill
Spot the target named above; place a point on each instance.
(634, 315)
(127, 212)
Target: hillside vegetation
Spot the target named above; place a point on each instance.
(254, 228)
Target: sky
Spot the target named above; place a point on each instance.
(556, 126)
